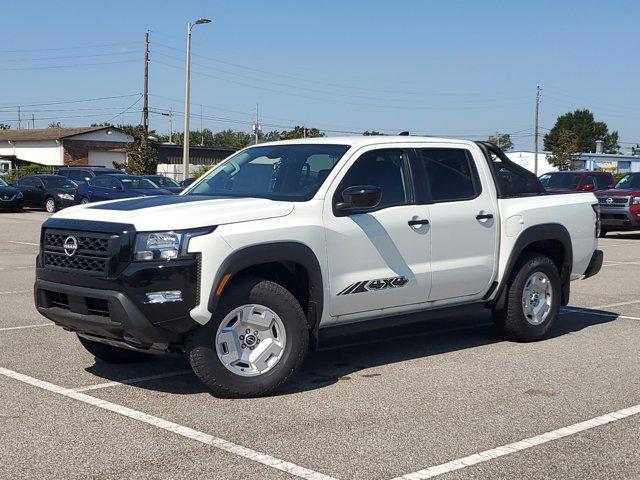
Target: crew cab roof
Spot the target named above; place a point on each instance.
(364, 140)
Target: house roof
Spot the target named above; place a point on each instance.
(48, 133)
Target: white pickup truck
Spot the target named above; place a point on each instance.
(281, 240)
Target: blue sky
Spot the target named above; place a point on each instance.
(465, 68)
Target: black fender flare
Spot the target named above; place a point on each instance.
(536, 233)
(276, 252)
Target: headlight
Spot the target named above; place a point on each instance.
(635, 200)
(165, 245)
(65, 196)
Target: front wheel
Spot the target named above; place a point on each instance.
(50, 205)
(110, 354)
(255, 342)
(84, 200)
(533, 299)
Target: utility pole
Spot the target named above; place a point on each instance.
(535, 130)
(19, 126)
(145, 108)
(170, 126)
(33, 121)
(256, 126)
(201, 130)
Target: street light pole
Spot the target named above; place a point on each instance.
(185, 148)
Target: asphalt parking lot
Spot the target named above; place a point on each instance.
(446, 398)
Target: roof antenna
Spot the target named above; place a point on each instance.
(404, 134)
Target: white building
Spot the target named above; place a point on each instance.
(526, 159)
(83, 146)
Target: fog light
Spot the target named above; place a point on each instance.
(164, 297)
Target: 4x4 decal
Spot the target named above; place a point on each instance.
(375, 285)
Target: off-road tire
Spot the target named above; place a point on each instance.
(511, 320)
(110, 354)
(201, 349)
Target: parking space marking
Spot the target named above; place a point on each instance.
(16, 291)
(131, 381)
(23, 243)
(510, 448)
(599, 314)
(620, 304)
(17, 268)
(6, 329)
(172, 427)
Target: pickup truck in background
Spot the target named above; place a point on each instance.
(620, 206)
(245, 267)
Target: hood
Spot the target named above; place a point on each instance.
(148, 192)
(619, 192)
(177, 212)
(8, 191)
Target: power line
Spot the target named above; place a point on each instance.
(129, 52)
(78, 47)
(125, 110)
(66, 66)
(63, 102)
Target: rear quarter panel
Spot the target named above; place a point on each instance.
(572, 210)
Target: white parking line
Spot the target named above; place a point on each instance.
(510, 448)
(16, 291)
(17, 268)
(598, 314)
(131, 381)
(6, 329)
(23, 243)
(172, 427)
(621, 304)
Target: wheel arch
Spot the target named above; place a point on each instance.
(551, 239)
(292, 264)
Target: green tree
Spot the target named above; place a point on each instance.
(5, 126)
(502, 141)
(564, 150)
(583, 125)
(300, 132)
(142, 159)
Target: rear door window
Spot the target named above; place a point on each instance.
(451, 174)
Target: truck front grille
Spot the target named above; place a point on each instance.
(91, 255)
(613, 201)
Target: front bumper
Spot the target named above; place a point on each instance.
(595, 264)
(117, 308)
(13, 203)
(619, 218)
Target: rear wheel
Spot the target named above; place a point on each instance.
(84, 200)
(110, 354)
(255, 342)
(50, 205)
(533, 299)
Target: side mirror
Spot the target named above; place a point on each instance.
(588, 188)
(39, 185)
(359, 199)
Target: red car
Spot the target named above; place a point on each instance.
(577, 181)
(620, 206)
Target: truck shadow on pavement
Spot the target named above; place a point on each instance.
(352, 351)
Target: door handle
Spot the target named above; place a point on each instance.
(418, 222)
(484, 216)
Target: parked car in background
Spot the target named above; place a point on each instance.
(115, 186)
(577, 181)
(84, 174)
(11, 198)
(187, 181)
(166, 183)
(49, 192)
(620, 206)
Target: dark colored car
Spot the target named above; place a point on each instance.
(577, 181)
(84, 174)
(11, 198)
(49, 192)
(187, 181)
(113, 187)
(166, 183)
(620, 206)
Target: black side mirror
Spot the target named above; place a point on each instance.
(359, 199)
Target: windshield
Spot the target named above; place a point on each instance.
(58, 182)
(137, 182)
(3, 183)
(560, 180)
(164, 181)
(278, 172)
(629, 181)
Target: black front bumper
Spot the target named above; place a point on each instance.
(595, 264)
(111, 302)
